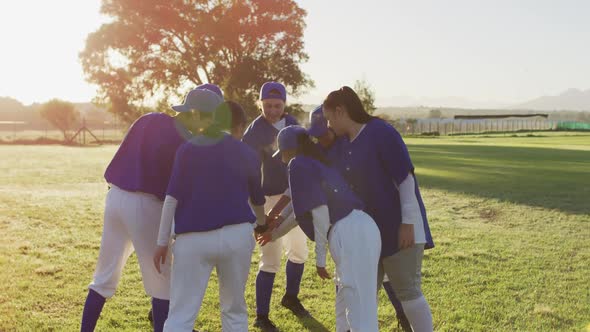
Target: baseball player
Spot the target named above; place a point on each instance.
(261, 135)
(329, 212)
(331, 146)
(211, 172)
(138, 176)
(375, 161)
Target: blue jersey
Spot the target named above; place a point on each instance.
(313, 184)
(375, 164)
(213, 184)
(262, 136)
(333, 152)
(143, 162)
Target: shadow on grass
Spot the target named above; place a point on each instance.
(543, 177)
(312, 324)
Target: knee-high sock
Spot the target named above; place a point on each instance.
(264, 284)
(92, 310)
(159, 313)
(419, 315)
(294, 275)
(399, 310)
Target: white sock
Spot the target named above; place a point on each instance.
(419, 315)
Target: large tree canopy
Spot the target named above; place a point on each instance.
(153, 50)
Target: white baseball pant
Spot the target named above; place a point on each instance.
(131, 222)
(355, 246)
(229, 251)
(294, 242)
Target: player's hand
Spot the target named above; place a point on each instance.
(160, 257)
(260, 229)
(264, 238)
(406, 236)
(323, 273)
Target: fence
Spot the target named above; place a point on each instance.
(20, 132)
(461, 127)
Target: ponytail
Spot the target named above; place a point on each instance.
(346, 97)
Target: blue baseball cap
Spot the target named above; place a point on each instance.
(273, 90)
(318, 125)
(211, 87)
(287, 138)
(201, 100)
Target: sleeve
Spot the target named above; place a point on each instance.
(255, 182)
(284, 228)
(289, 208)
(409, 203)
(393, 154)
(168, 211)
(177, 179)
(279, 206)
(259, 212)
(306, 189)
(321, 225)
(287, 211)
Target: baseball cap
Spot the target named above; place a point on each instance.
(318, 125)
(202, 100)
(287, 138)
(273, 90)
(211, 87)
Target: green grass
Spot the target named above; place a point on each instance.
(510, 217)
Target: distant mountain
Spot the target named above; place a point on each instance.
(449, 102)
(571, 100)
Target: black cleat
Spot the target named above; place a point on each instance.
(292, 303)
(265, 324)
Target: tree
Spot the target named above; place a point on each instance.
(412, 124)
(435, 114)
(61, 114)
(153, 51)
(366, 94)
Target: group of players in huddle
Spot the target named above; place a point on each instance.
(196, 191)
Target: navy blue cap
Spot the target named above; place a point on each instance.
(211, 87)
(287, 138)
(273, 90)
(201, 100)
(318, 125)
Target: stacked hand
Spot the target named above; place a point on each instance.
(272, 222)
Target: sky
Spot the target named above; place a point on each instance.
(489, 51)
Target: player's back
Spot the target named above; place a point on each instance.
(144, 160)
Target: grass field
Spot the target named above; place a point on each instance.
(510, 217)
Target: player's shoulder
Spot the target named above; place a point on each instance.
(153, 119)
(256, 123)
(382, 129)
(303, 164)
(155, 116)
(290, 120)
(379, 124)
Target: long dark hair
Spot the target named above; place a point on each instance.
(345, 96)
(307, 148)
(238, 115)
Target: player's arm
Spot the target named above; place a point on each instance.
(257, 198)
(411, 215)
(283, 228)
(280, 211)
(281, 204)
(273, 234)
(321, 225)
(168, 212)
